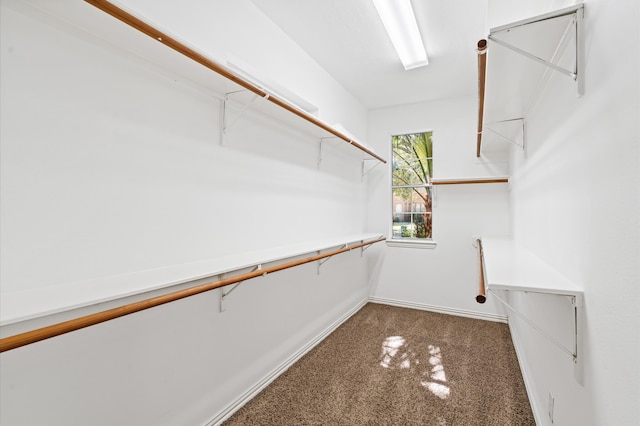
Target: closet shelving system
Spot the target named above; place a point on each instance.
(32, 316)
(514, 68)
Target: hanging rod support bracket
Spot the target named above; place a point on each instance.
(225, 126)
(363, 248)
(224, 294)
(486, 127)
(576, 24)
(323, 261)
(364, 170)
(574, 303)
(320, 148)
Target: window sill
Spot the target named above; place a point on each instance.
(429, 244)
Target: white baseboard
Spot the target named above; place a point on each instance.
(270, 377)
(439, 309)
(539, 414)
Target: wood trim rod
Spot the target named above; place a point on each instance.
(33, 336)
(181, 48)
(482, 73)
(469, 181)
(481, 296)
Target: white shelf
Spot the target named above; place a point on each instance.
(105, 30)
(521, 57)
(509, 266)
(43, 302)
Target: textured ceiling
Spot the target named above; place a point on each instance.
(347, 38)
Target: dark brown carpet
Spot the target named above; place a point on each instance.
(396, 366)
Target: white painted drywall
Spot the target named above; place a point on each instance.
(444, 277)
(576, 204)
(112, 166)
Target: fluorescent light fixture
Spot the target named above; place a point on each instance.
(400, 22)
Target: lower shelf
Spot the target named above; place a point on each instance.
(507, 266)
(510, 266)
(43, 303)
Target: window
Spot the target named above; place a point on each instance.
(411, 189)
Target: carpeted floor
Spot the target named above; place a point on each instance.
(396, 366)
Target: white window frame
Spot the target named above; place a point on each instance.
(426, 243)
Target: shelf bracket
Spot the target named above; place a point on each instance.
(576, 304)
(364, 169)
(322, 140)
(225, 125)
(508, 139)
(323, 261)
(224, 294)
(574, 27)
(363, 248)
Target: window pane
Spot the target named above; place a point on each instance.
(411, 195)
(415, 173)
(413, 151)
(412, 225)
(421, 200)
(412, 200)
(422, 225)
(412, 213)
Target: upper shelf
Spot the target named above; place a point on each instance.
(520, 58)
(176, 56)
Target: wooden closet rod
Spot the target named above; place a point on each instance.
(482, 72)
(174, 44)
(33, 336)
(481, 297)
(469, 181)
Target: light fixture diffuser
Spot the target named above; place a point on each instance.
(400, 22)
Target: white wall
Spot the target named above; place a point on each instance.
(112, 166)
(575, 203)
(443, 278)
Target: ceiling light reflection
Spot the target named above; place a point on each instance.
(400, 22)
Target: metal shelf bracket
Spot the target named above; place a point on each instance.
(364, 169)
(322, 140)
(573, 352)
(520, 143)
(575, 27)
(224, 294)
(323, 261)
(576, 304)
(225, 125)
(363, 248)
